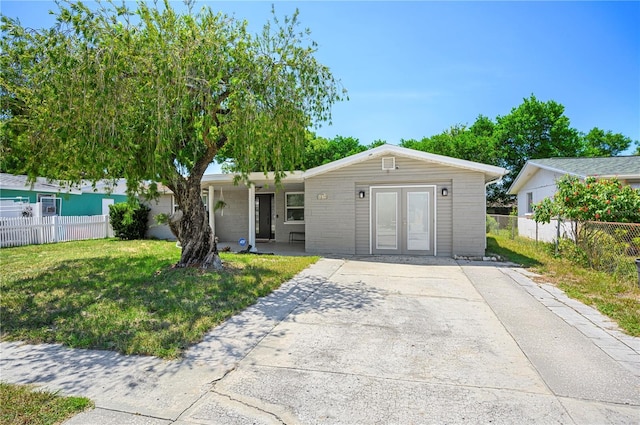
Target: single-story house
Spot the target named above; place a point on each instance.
(387, 200)
(537, 181)
(53, 198)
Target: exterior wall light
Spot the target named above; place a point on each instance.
(361, 194)
(445, 191)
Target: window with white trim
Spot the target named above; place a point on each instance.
(48, 204)
(294, 207)
(529, 202)
(205, 198)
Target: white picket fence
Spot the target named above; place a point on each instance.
(18, 231)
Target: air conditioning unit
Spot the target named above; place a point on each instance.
(389, 163)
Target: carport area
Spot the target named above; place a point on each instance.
(371, 340)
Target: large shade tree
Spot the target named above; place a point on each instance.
(153, 95)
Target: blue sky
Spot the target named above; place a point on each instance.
(413, 69)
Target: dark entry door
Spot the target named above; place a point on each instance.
(264, 204)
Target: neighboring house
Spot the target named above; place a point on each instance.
(387, 200)
(16, 195)
(537, 180)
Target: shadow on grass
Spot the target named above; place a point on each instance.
(499, 247)
(133, 306)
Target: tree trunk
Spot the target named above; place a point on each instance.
(191, 223)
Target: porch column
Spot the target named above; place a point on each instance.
(252, 217)
(212, 215)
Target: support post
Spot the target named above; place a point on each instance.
(252, 217)
(212, 213)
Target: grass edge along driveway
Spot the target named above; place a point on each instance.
(124, 296)
(24, 404)
(616, 297)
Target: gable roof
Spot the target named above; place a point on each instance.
(491, 172)
(622, 167)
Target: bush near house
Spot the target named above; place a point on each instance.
(129, 220)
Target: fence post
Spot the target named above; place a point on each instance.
(106, 225)
(55, 228)
(557, 235)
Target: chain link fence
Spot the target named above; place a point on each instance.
(608, 247)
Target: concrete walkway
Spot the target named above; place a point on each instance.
(367, 341)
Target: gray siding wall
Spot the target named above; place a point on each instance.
(159, 231)
(340, 223)
(232, 223)
(469, 214)
(282, 228)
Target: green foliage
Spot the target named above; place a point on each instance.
(317, 151)
(600, 143)
(534, 129)
(570, 250)
(153, 95)
(475, 143)
(129, 220)
(591, 200)
(492, 226)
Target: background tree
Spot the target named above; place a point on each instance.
(153, 95)
(475, 143)
(600, 143)
(320, 151)
(534, 129)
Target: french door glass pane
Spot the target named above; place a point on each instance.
(386, 220)
(418, 221)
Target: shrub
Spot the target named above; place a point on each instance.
(129, 220)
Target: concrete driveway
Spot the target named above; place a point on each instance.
(371, 341)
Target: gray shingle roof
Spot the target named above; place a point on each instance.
(583, 167)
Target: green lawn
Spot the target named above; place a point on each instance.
(124, 295)
(615, 296)
(21, 405)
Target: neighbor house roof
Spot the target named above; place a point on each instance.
(622, 167)
(41, 184)
(491, 172)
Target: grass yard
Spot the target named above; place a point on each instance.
(124, 295)
(616, 297)
(21, 405)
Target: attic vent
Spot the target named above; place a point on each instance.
(389, 163)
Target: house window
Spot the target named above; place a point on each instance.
(48, 204)
(174, 203)
(294, 207)
(529, 202)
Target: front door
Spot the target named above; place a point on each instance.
(402, 220)
(264, 213)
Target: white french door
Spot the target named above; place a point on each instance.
(402, 220)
